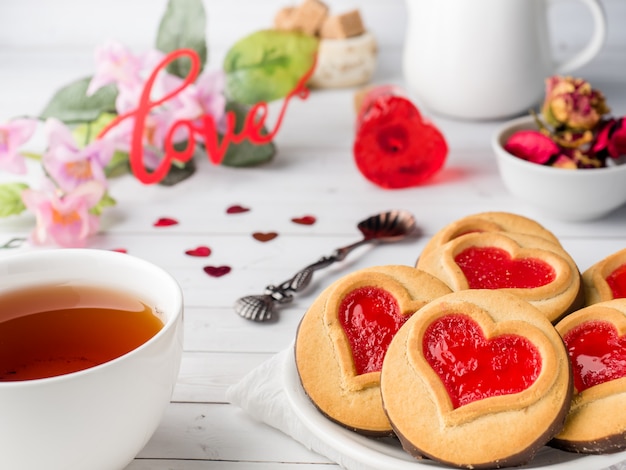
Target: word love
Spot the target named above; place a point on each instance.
(205, 126)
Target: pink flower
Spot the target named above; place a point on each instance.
(13, 135)
(116, 64)
(156, 126)
(532, 146)
(64, 219)
(70, 166)
(204, 97)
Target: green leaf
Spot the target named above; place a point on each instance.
(183, 26)
(106, 201)
(267, 65)
(118, 166)
(11, 199)
(85, 132)
(71, 104)
(246, 153)
(179, 172)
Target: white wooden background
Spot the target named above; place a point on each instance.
(46, 44)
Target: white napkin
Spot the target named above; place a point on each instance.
(261, 393)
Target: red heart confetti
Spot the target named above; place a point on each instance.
(597, 353)
(304, 220)
(264, 236)
(236, 209)
(120, 250)
(370, 317)
(472, 367)
(617, 282)
(493, 268)
(217, 271)
(165, 222)
(394, 146)
(200, 251)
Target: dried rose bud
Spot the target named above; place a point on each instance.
(571, 103)
(565, 162)
(532, 146)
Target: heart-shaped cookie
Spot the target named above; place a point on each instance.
(395, 147)
(532, 267)
(475, 378)
(606, 279)
(344, 335)
(595, 337)
(488, 222)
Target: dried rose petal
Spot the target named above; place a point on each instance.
(304, 220)
(532, 146)
(264, 236)
(617, 139)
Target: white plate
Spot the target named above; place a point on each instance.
(387, 454)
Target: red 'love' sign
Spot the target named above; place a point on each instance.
(252, 128)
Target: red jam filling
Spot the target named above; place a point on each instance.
(617, 282)
(370, 317)
(472, 367)
(493, 268)
(597, 353)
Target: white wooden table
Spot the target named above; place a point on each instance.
(312, 174)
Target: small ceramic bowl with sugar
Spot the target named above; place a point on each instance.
(563, 194)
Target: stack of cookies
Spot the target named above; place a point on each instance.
(491, 347)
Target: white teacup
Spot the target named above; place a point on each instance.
(101, 417)
(486, 59)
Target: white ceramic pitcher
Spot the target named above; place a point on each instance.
(486, 59)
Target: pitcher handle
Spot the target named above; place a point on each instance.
(595, 43)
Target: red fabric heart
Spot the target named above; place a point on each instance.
(472, 367)
(395, 147)
(617, 282)
(597, 353)
(200, 251)
(304, 220)
(165, 222)
(264, 236)
(217, 271)
(370, 317)
(236, 209)
(493, 268)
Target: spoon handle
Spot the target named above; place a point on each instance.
(283, 292)
(259, 308)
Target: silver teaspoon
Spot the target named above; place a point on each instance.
(391, 226)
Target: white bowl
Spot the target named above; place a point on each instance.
(568, 195)
(98, 418)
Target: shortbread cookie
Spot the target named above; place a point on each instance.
(476, 379)
(537, 270)
(488, 222)
(343, 337)
(606, 279)
(595, 337)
